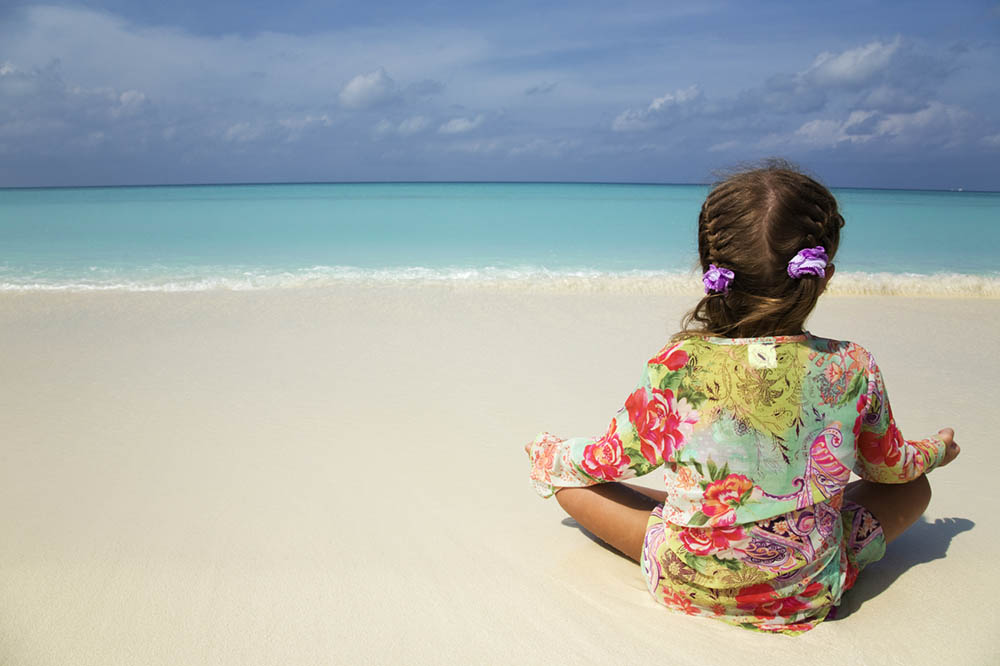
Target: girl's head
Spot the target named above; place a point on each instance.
(753, 223)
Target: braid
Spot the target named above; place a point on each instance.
(715, 228)
(825, 221)
(710, 240)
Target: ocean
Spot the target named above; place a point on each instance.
(189, 238)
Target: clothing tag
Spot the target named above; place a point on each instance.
(762, 355)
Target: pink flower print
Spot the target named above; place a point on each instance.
(718, 541)
(661, 422)
(685, 479)
(605, 458)
(543, 457)
(833, 373)
(862, 404)
(884, 449)
(678, 601)
(763, 601)
(915, 454)
(724, 496)
(673, 357)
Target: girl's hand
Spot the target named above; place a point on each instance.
(952, 449)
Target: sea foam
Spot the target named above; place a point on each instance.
(948, 285)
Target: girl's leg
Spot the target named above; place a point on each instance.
(896, 506)
(613, 512)
(658, 496)
(617, 513)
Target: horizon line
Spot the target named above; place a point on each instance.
(460, 182)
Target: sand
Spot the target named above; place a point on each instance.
(336, 475)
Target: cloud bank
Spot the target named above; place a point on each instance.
(91, 97)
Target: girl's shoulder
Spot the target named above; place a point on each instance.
(676, 352)
(842, 348)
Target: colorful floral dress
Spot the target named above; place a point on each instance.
(757, 438)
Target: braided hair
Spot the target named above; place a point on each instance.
(753, 223)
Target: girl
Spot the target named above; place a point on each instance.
(758, 425)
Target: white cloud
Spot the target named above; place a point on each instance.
(993, 140)
(241, 132)
(891, 99)
(368, 90)
(485, 147)
(296, 126)
(99, 49)
(302, 122)
(825, 132)
(461, 125)
(51, 116)
(854, 66)
(661, 110)
(942, 121)
(406, 127)
(413, 125)
(936, 123)
(129, 103)
(723, 146)
(383, 127)
(877, 76)
(674, 98)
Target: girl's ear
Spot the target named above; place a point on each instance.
(830, 270)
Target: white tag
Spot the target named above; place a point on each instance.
(762, 355)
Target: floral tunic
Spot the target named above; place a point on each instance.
(757, 438)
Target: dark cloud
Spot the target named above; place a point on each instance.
(540, 89)
(865, 127)
(782, 94)
(425, 88)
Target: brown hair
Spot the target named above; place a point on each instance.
(753, 223)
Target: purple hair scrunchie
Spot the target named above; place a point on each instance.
(810, 261)
(717, 279)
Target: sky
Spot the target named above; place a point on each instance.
(862, 94)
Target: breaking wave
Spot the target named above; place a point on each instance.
(950, 285)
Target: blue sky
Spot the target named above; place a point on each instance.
(871, 94)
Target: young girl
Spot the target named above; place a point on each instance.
(758, 425)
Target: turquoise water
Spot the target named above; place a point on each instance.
(247, 236)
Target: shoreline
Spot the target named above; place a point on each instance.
(638, 282)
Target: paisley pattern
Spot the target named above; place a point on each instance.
(757, 438)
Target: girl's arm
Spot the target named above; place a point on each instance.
(649, 427)
(579, 461)
(883, 456)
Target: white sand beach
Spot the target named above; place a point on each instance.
(336, 476)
